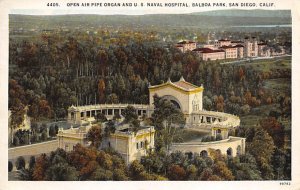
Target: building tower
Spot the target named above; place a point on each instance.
(251, 47)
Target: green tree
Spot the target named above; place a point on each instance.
(16, 141)
(275, 129)
(10, 166)
(112, 99)
(105, 160)
(94, 135)
(135, 125)
(100, 117)
(244, 167)
(84, 160)
(166, 118)
(44, 135)
(109, 128)
(130, 114)
(20, 163)
(278, 162)
(101, 90)
(221, 170)
(176, 173)
(61, 171)
(52, 131)
(206, 174)
(119, 175)
(200, 163)
(56, 129)
(25, 174)
(31, 162)
(41, 165)
(262, 148)
(135, 170)
(191, 172)
(101, 174)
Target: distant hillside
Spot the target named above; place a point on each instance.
(247, 13)
(212, 19)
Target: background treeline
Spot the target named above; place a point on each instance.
(225, 18)
(58, 71)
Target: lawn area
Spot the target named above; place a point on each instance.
(278, 86)
(184, 135)
(250, 120)
(256, 114)
(266, 65)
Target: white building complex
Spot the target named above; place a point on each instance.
(130, 145)
(228, 49)
(186, 97)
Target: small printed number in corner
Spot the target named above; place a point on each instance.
(52, 5)
(285, 183)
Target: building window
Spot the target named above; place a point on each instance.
(142, 144)
(137, 146)
(108, 144)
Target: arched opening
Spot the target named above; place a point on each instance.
(239, 150)
(173, 100)
(219, 131)
(229, 151)
(204, 153)
(175, 103)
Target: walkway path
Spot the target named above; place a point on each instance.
(34, 149)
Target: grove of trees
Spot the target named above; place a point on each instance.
(57, 70)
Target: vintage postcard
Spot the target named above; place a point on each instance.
(146, 94)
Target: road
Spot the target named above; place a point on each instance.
(253, 59)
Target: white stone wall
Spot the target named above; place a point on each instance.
(67, 143)
(197, 97)
(240, 52)
(126, 144)
(189, 46)
(222, 43)
(212, 56)
(230, 53)
(251, 48)
(223, 146)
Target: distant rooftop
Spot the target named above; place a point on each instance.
(186, 42)
(207, 50)
(239, 45)
(227, 47)
(236, 42)
(181, 84)
(185, 85)
(261, 44)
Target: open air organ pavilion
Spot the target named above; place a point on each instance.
(188, 98)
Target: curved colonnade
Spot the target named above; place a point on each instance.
(201, 119)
